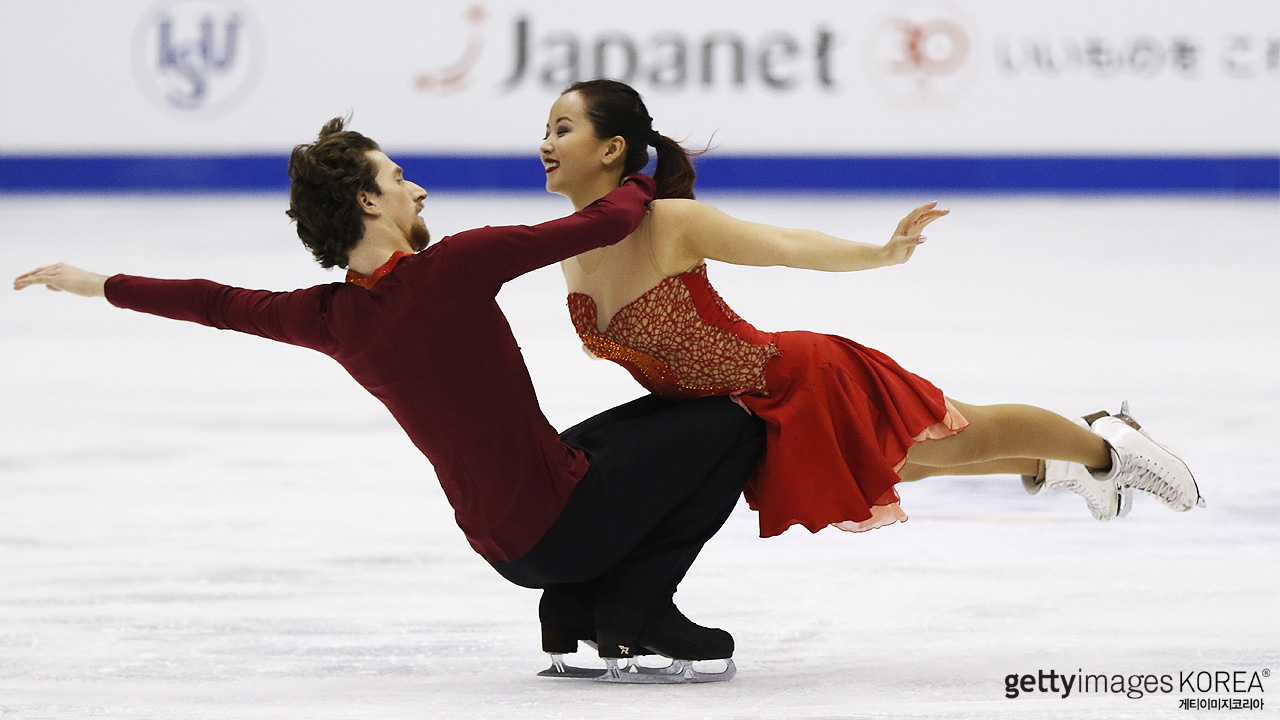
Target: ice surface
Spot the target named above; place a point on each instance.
(196, 524)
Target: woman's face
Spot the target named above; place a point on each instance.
(572, 155)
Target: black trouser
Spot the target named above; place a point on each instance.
(664, 477)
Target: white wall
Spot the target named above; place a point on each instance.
(1078, 77)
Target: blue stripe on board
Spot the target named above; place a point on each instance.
(1044, 174)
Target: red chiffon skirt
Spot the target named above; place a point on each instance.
(839, 418)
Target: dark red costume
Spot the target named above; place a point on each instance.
(427, 338)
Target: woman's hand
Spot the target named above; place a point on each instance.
(907, 237)
(64, 278)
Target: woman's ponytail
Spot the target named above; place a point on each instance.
(674, 173)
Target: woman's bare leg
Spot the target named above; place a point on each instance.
(1001, 432)
(1005, 466)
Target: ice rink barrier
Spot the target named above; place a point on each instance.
(471, 173)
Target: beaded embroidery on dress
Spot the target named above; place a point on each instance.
(669, 347)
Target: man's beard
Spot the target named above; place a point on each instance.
(419, 237)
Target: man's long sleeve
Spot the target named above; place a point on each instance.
(294, 317)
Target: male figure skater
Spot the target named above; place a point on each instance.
(608, 517)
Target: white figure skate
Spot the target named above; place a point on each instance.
(1138, 462)
(1100, 491)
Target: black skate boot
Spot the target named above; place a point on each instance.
(566, 619)
(624, 633)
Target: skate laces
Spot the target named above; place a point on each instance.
(1091, 489)
(1143, 473)
(1087, 491)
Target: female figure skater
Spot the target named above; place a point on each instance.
(844, 422)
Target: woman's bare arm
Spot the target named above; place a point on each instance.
(695, 230)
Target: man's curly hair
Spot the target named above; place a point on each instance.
(325, 179)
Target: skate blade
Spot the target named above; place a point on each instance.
(679, 672)
(560, 669)
(572, 673)
(1126, 501)
(1124, 417)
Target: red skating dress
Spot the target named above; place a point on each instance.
(839, 416)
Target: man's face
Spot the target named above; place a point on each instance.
(401, 200)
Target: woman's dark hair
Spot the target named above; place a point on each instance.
(325, 178)
(616, 109)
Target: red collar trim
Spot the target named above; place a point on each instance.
(371, 280)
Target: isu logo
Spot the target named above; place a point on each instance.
(197, 55)
(453, 77)
(921, 55)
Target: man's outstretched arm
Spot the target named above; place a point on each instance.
(64, 278)
(294, 317)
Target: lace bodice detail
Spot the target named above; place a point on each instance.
(679, 339)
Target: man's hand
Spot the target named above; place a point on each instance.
(64, 278)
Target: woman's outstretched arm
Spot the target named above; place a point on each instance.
(693, 230)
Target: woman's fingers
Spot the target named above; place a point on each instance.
(922, 221)
(918, 219)
(904, 225)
